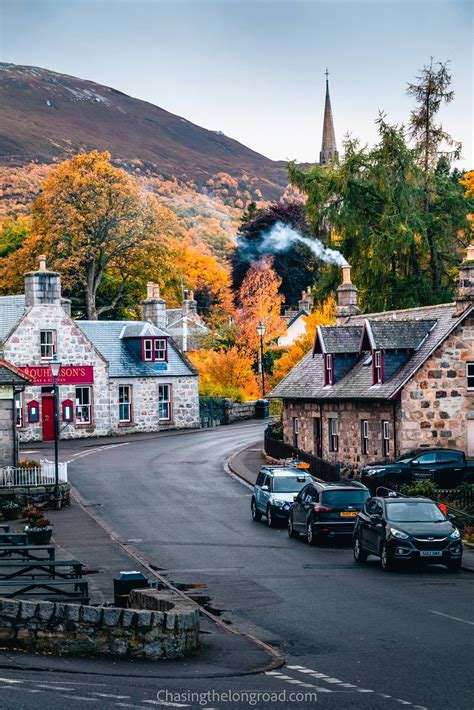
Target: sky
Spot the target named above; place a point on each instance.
(254, 69)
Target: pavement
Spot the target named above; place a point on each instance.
(246, 463)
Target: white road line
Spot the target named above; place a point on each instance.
(165, 704)
(53, 687)
(80, 697)
(289, 679)
(365, 690)
(455, 618)
(8, 680)
(109, 695)
(402, 702)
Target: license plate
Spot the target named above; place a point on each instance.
(430, 553)
(348, 514)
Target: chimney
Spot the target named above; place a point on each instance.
(189, 305)
(306, 302)
(346, 298)
(42, 287)
(154, 307)
(465, 290)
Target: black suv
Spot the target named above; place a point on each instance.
(326, 510)
(400, 528)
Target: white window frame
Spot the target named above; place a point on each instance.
(19, 410)
(364, 436)
(385, 437)
(333, 430)
(148, 352)
(470, 375)
(160, 349)
(378, 367)
(125, 404)
(295, 432)
(80, 406)
(48, 347)
(164, 401)
(329, 364)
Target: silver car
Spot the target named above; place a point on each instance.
(274, 492)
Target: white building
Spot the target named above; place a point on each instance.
(116, 376)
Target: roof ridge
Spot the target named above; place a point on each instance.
(406, 310)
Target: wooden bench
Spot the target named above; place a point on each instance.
(47, 589)
(13, 538)
(4, 527)
(33, 569)
(29, 552)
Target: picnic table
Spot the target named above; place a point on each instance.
(32, 569)
(4, 527)
(13, 538)
(64, 590)
(29, 552)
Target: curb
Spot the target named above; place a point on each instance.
(277, 659)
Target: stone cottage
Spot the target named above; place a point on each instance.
(116, 376)
(379, 384)
(295, 320)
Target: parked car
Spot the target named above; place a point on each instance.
(326, 510)
(274, 492)
(400, 528)
(447, 468)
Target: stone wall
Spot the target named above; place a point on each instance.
(7, 434)
(241, 410)
(435, 403)
(349, 416)
(35, 495)
(169, 631)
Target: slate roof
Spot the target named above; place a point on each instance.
(11, 310)
(10, 375)
(399, 335)
(106, 337)
(338, 339)
(140, 329)
(306, 379)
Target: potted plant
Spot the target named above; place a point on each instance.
(11, 510)
(38, 528)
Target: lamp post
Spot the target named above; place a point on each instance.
(55, 367)
(261, 328)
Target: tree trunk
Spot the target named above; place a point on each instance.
(91, 309)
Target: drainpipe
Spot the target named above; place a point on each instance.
(395, 443)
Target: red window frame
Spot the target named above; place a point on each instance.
(33, 418)
(64, 406)
(377, 367)
(328, 369)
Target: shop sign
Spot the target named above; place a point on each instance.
(6, 391)
(68, 375)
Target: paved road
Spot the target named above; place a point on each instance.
(357, 637)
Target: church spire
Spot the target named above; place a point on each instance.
(328, 147)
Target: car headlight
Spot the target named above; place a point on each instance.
(398, 534)
(279, 503)
(455, 535)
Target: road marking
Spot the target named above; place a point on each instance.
(8, 680)
(289, 679)
(167, 705)
(97, 449)
(109, 695)
(455, 618)
(53, 687)
(80, 697)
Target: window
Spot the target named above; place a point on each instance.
(160, 349)
(18, 409)
(260, 478)
(295, 432)
(311, 495)
(125, 403)
(33, 412)
(333, 434)
(364, 436)
(148, 350)
(164, 403)
(47, 344)
(378, 368)
(428, 458)
(385, 438)
(470, 375)
(328, 370)
(68, 411)
(450, 457)
(83, 405)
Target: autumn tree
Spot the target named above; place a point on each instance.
(259, 301)
(467, 181)
(431, 91)
(225, 373)
(92, 219)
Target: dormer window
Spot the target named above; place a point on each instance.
(155, 350)
(328, 369)
(377, 360)
(148, 353)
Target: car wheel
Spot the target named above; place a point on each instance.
(256, 514)
(386, 559)
(310, 536)
(290, 529)
(270, 521)
(360, 555)
(453, 565)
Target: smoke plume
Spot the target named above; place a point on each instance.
(281, 237)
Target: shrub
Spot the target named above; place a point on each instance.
(28, 464)
(468, 533)
(421, 488)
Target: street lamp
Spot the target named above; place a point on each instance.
(261, 328)
(55, 367)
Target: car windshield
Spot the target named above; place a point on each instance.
(290, 484)
(414, 512)
(345, 497)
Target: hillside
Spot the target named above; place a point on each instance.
(46, 116)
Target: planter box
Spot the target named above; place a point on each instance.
(11, 513)
(39, 537)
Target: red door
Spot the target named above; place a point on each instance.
(47, 410)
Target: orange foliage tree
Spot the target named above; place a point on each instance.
(260, 301)
(225, 373)
(324, 315)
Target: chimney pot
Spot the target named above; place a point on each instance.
(346, 297)
(346, 274)
(42, 262)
